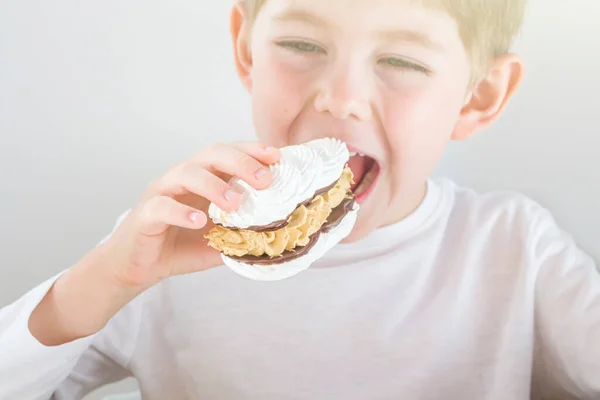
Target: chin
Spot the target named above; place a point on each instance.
(353, 238)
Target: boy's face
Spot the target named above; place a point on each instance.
(388, 78)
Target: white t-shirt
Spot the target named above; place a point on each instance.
(471, 297)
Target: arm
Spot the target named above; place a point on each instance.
(567, 298)
(73, 332)
(51, 344)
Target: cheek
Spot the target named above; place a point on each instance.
(279, 94)
(428, 108)
(418, 122)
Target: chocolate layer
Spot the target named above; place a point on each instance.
(335, 217)
(276, 225)
(338, 214)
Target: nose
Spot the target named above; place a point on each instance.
(344, 94)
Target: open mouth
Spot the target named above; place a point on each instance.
(365, 170)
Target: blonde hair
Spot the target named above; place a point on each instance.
(487, 27)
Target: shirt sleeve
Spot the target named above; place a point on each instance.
(567, 311)
(31, 370)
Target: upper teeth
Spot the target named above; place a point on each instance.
(354, 153)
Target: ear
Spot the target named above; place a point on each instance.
(489, 96)
(240, 34)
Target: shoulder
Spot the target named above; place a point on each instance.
(502, 218)
(492, 208)
(505, 232)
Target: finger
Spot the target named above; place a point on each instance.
(195, 179)
(263, 153)
(234, 162)
(162, 212)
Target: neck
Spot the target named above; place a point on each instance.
(410, 202)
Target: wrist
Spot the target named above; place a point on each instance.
(81, 301)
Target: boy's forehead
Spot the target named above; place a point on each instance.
(338, 12)
(387, 17)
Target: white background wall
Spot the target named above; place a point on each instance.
(98, 98)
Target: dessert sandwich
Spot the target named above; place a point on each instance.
(280, 231)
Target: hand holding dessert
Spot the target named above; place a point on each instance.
(163, 234)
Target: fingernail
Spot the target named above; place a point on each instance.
(269, 148)
(261, 173)
(194, 216)
(230, 194)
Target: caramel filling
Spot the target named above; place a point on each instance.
(301, 224)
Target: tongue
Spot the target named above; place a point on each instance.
(358, 165)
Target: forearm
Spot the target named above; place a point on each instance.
(81, 301)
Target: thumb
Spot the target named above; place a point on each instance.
(197, 257)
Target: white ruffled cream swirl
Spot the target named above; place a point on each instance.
(301, 171)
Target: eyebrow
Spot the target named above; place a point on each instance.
(294, 15)
(411, 36)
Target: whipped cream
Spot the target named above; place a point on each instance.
(301, 171)
(277, 272)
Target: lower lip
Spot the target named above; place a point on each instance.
(363, 196)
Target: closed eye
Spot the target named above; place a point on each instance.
(300, 46)
(403, 64)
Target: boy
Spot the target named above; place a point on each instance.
(438, 293)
